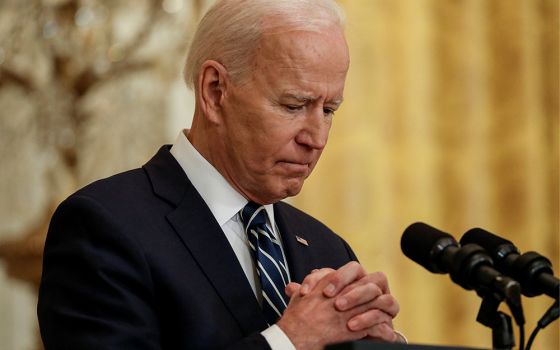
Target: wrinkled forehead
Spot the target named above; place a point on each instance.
(304, 49)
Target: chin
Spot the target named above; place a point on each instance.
(277, 192)
(293, 189)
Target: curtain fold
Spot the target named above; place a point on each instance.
(451, 118)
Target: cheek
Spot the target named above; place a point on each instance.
(276, 144)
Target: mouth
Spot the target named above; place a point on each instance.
(295, 168)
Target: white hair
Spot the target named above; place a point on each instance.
(230, 31)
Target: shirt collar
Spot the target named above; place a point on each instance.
(222, 199)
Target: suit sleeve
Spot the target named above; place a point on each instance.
(96, 290)
(350, 252)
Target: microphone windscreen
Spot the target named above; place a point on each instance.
(490, 242)
(420, 241)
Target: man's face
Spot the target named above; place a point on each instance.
(276, 122)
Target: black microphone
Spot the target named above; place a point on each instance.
(531, 269)
(469, 266)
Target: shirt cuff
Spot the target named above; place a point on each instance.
(277, 339)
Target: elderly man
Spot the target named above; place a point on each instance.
(195, 250)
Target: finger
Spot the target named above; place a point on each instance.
(343, 277)
(369, 320)
(381, 280)
(361, 294)
(388, 304)
(291, 289)
(383, 332)
(313, 279)
(377, 278)
(385, 302)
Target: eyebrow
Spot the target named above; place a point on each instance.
(306, 98)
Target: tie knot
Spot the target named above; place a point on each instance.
(253, 214)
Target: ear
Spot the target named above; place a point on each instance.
(211, 85)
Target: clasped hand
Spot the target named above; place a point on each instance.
(339, 305)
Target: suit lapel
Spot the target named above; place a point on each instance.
(203, 237)
(297, 253)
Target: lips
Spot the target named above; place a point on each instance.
(295, 168)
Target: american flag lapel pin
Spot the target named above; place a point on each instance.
(302, 241)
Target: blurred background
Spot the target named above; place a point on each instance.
(451, 117)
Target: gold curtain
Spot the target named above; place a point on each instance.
(451, 118)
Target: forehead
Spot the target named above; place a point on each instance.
(305, 48)
(302, 58)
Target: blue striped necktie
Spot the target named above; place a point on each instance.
(271, 266)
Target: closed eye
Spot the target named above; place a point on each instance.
(329, 112)
(294, 108)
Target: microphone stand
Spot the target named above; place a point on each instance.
(499, 322)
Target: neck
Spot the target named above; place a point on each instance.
(198, 136)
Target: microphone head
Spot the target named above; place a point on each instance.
(496, 246)
(529, 269)
(424, 244)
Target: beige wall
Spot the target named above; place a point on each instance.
(451, 118)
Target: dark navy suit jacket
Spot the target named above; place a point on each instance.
(137, 261)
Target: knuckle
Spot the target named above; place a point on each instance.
(373, 289)
(353, 267)
(380, 276)
(391, 305)
(395, 306)
(319, 272)
(381, 280)
(335, 277)
(307, 279)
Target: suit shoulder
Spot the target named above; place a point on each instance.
(125, 183)
(128, 195)
(294, 215)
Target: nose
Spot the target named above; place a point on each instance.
(315, 130)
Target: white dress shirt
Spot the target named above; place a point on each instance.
(225, 203)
